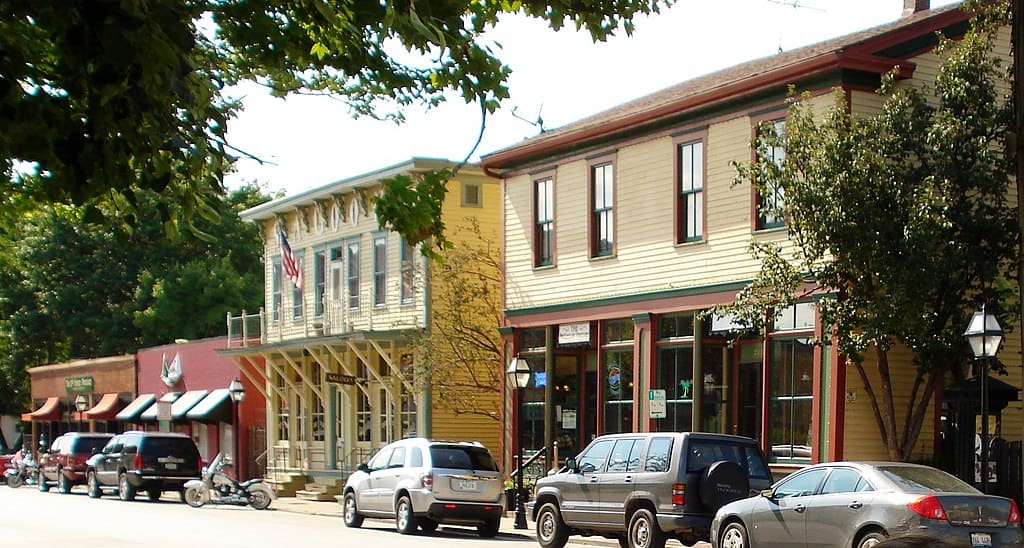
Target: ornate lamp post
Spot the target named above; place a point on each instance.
(81, 404)
(237, 392)
(985, 334)
(518, 374)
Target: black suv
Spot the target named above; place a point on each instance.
(153, 462)
(644, 488)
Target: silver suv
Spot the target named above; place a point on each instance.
(421, 483)
(644, 488)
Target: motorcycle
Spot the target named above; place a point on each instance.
(216, 487)
(23, 471)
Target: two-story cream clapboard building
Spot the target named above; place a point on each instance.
(621, 227)
(340, 312)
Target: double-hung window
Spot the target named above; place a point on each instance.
(297, 297)
(275, 290)
(602, 223)
(380, 270)
(691, 192)
(352, 273)
(319, 281)
(544, 226)
(770, 200)
(408, 271)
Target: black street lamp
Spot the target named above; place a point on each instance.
(518, 374)
(985, 334)
(81, 404)
(237, 392)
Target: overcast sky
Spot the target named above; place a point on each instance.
(312, 141)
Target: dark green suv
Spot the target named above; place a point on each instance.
(135, 461)
(644, 488)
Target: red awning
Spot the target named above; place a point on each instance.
(49, 411)
(105, 410)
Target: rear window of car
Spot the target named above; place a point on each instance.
(705, 452)
(912, 479)
(169, 446)
(466, 458)
(88, 445)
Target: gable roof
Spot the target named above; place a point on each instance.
(873, 50)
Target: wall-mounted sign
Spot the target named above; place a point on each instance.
(574, 333)
(78, 384)
(340, 378)
(657, 403)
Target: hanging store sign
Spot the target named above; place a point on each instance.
(340, 378)
(574, 333)
(78, 384)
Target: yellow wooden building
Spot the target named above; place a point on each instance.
(332, 348)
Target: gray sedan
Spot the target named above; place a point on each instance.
(860, 504)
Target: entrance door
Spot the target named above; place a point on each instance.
(748, 392)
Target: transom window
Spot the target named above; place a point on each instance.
(691, 192)
(603, 220)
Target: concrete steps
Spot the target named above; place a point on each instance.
(320, 491)
(287, 485)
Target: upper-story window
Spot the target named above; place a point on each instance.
(770, 201)
(691, 192)
(352, 274)
(544, 227)
(602, 224)
(472, 195)
(275, 290)
(380, 270)
(408, 271)
(319, 281)
(297, 297)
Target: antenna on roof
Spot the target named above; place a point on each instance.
(538, 123)
(795, 4)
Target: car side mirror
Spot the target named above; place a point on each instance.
(571, 465)
(363, 467)
(767, 493)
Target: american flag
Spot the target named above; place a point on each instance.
(292, 267)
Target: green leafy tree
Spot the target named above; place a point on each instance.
(76, 289)
(904, 220)
(103, 98)
(461, 352)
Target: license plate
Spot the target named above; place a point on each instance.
(170, 466)
(466, 485)
(981, 539)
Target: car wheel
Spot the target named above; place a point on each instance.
(871, 538)
(93, 485)
(405, 520)
(644, 531)
(428, 525)
(63, 483)
(722, 483)
(351, 514)
(125, 491)
(734, 536)
(489, 528)
(551, 530)
(623, 542)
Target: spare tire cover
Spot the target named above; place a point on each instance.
(722, 483)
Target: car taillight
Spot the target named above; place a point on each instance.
(427, 480)
(1014, 513)
(138, 461)
(199, 463)
(929, 507)
(678, 494)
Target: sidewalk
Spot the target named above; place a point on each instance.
(333, 509)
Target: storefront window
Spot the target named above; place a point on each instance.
(618, 390)
(531, 339)
(674, 374)
(790, 395)
(715, 387)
